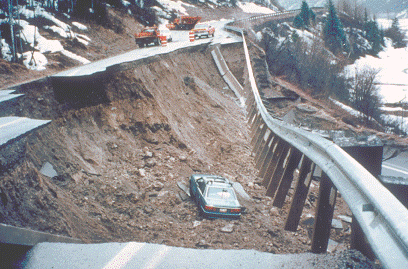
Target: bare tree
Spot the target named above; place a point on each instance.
(364, 93)
(11, 23)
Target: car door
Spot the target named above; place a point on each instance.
(200, 192)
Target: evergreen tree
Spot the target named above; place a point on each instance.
(373, 36)
(304, 13)
(305, 17)
(396, 35)
(312, 16)
(334, 36)
(298, 22)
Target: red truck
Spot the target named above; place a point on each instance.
(184, 23)
(149, 35)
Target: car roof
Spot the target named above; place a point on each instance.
(214, 179)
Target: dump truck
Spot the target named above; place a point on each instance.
(184, 23)
(149, 35)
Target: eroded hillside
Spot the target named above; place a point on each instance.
(119, 162)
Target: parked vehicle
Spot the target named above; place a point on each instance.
(167, 33)
(148, 36)
(203, 30)
(184, 23)
(214, 196)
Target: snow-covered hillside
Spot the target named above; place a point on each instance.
(33, 20)
(382, 8)
(30, 36)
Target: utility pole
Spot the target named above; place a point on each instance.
(11, 22)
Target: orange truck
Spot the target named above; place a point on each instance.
(184, 23)
(149, 35)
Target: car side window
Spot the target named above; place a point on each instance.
(201, 185)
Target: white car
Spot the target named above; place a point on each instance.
(167, 33)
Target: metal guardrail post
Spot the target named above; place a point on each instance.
(302, 188)
(251, 119)
(261, 160)
(287, 177)
(259, 124)
(269, 157)
(256, 140)
(264, 140)
(260, 137)
(280, 147)
(359, 240)
(280, 168)
(324, 215)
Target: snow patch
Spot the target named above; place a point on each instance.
(254, 8)
(79, 26)
(75, 57)
(393, 75)
(177, 6)
(34, 61)
(5, 50)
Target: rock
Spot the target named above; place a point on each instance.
(162, 193)
(77, 177)
(148, 209)
(345, 218)
(183, 196)
(48, 170)
(142, 172)
(158, 185)
(306, 108)
(336, 224)
(272, 233)
(168, 166)
(148, 154)
(309, 221)
(196, 223)
(184, 187)
(332, 246)
(240, 191)
(229, 228)
(274, 211)
(150, 163)
(250, 184)
(202, 244)
(182, 158)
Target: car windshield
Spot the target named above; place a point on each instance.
(200, 26)
(220, 193)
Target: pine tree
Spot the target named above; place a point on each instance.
(312, 16)
(373, 35)
(305, 17)
(304, 13)
(333, 32)
(298, 22)
(396, 34)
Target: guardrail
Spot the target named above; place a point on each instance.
(280, 148)
(276, 15)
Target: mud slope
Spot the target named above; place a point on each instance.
(118, 162)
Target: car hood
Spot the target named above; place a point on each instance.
(222, 202)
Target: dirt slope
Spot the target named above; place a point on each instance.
(118, 163)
